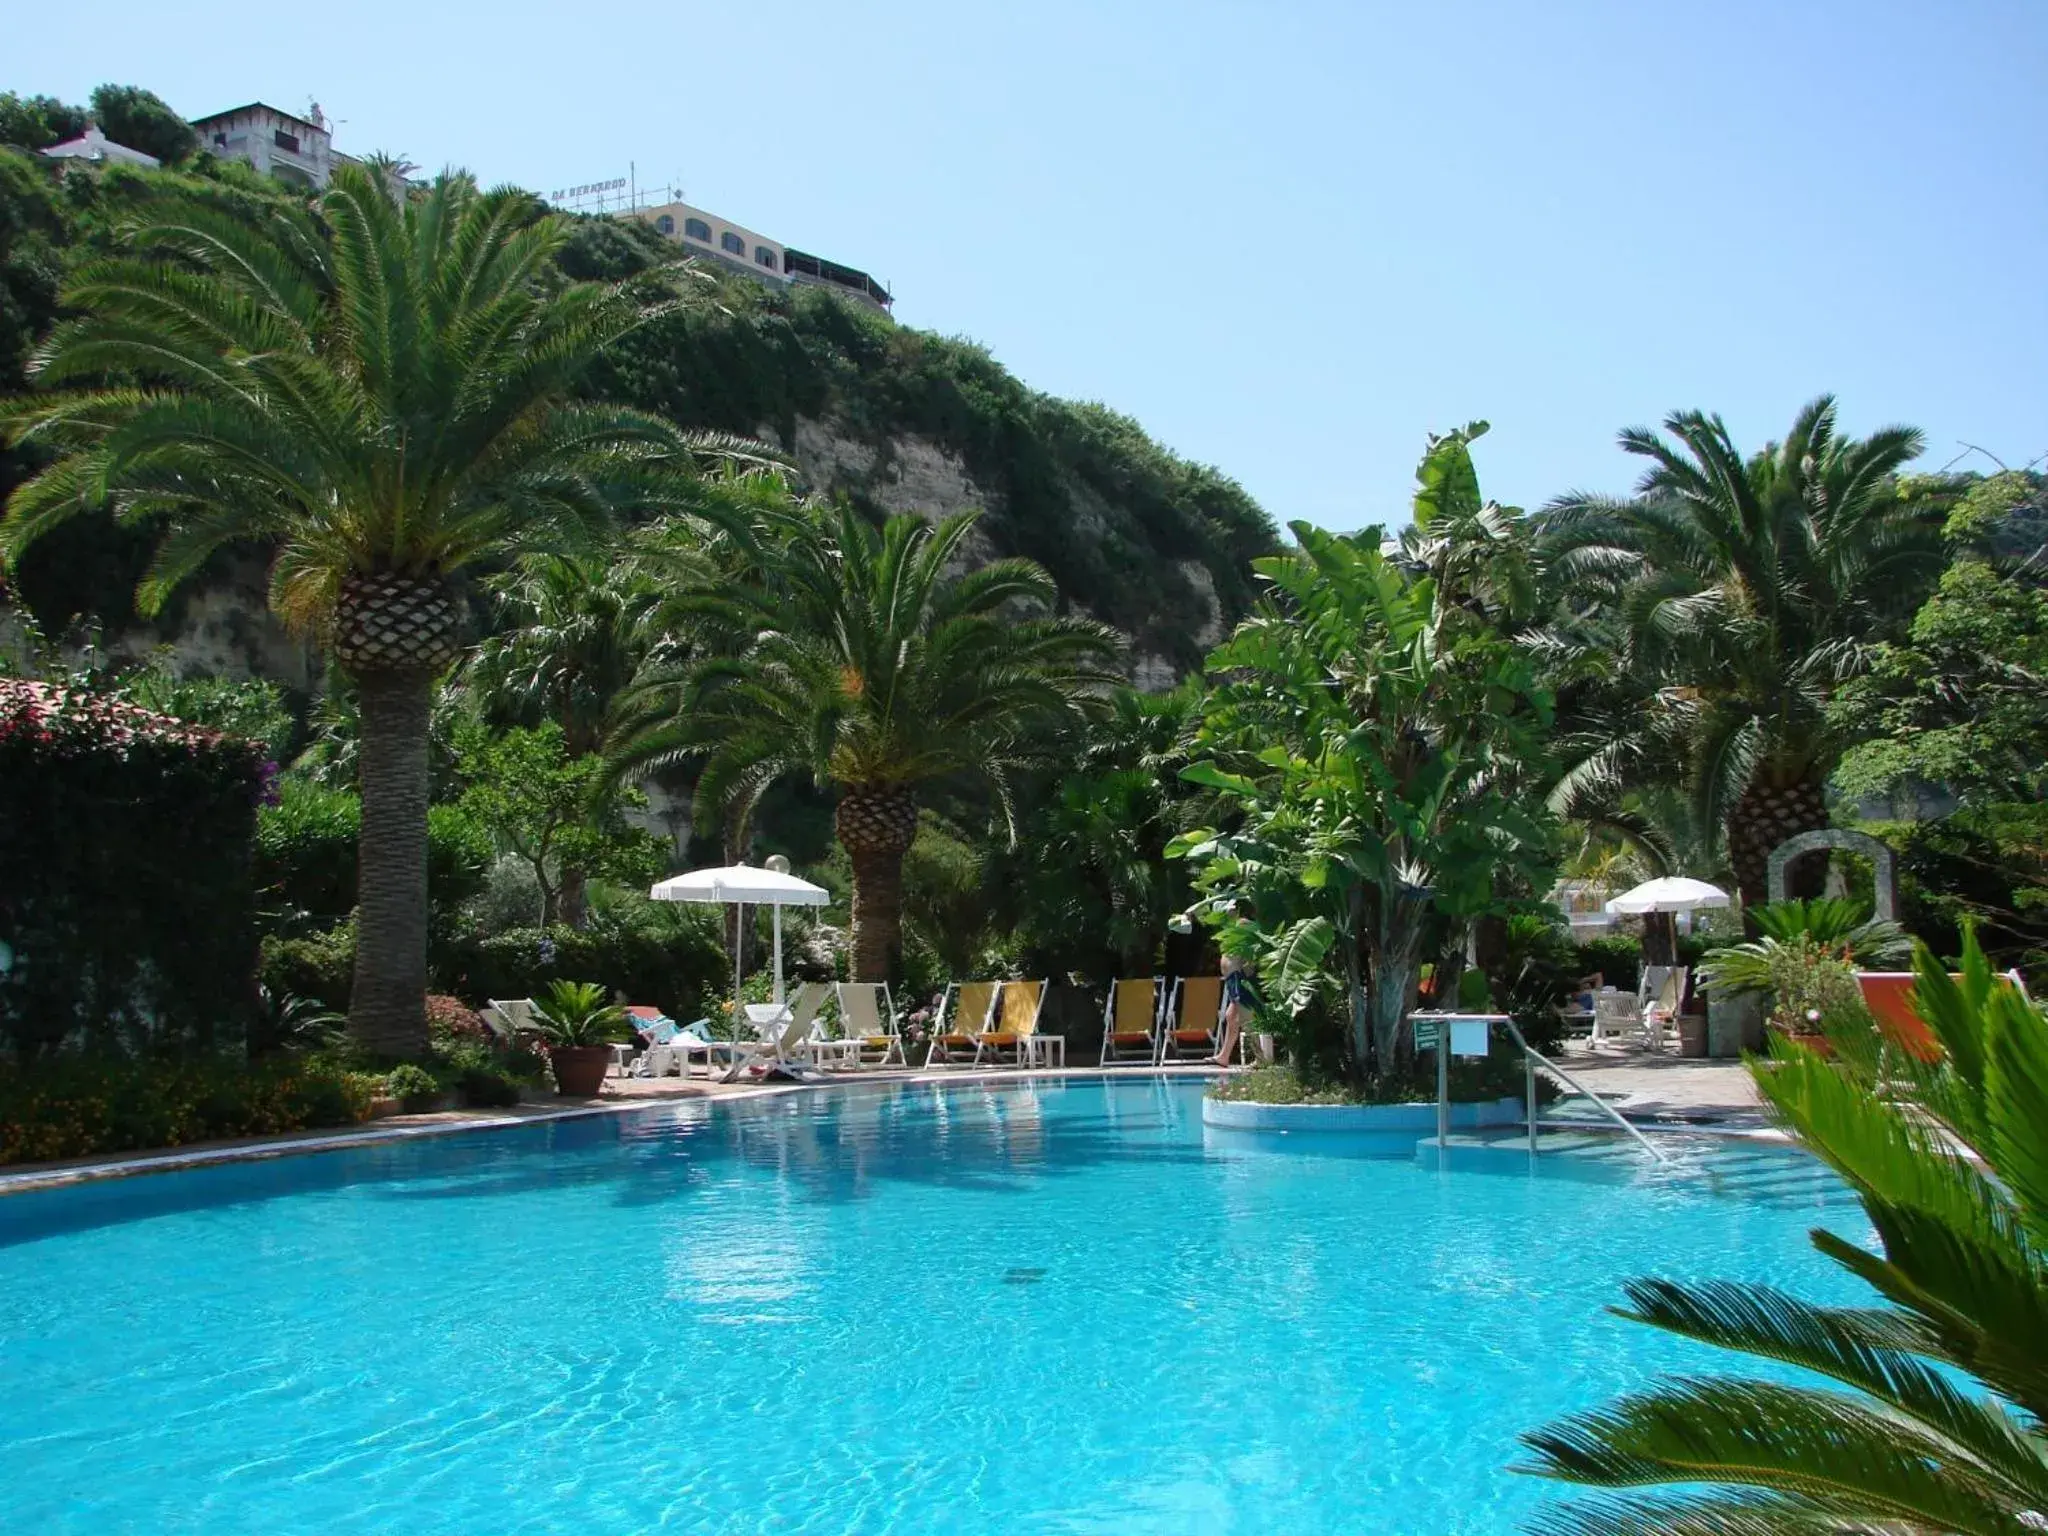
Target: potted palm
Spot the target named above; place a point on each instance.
(580, 1025)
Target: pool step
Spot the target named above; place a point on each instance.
(1772, 1174)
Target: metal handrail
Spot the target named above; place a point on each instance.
(1533, 1058)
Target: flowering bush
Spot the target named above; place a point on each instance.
(126, 900)
(450, 1019)
(73, 1107)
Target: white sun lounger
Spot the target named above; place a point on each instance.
(784, 1044)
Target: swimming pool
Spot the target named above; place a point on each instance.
(1045, 1306)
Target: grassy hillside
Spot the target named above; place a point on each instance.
(1131, 532)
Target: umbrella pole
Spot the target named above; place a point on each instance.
(778, 952)
(739, 947)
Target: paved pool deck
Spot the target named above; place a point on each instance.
(1648, 1085)
(1641, 1084)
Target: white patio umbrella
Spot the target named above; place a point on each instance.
(743, 886)
(1672, 893)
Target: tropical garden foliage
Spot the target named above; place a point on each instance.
(1930, 1416)
(1720, 609)
(443, 416)
(859, 660)
(1370, 725)
(379, 391)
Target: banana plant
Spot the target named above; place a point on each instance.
(1930, 1409)
(1365, 736)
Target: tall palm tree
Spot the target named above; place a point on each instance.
(861, 662)
(378, 387)
(1940, 1428)
(1740, 594)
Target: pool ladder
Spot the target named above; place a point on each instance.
(1533, 1058)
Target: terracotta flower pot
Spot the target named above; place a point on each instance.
(580, 1069)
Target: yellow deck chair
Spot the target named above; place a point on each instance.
(1014, 1021)
(1130, 1020)
(867, 1017)
(1196, 1017)
(964, 1015)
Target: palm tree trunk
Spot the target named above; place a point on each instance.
(877, 911)
(387, 1005)
(876, 825)
(1763, 818)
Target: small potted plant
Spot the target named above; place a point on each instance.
(580, 1026)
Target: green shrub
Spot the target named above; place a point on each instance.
(306, 854)
(413, 1086)
(1616, 956)
(76, 1107)
(320, 967)
(488, 1088)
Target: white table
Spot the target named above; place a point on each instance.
(1046, 1046)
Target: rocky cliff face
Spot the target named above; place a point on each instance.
(914, 474)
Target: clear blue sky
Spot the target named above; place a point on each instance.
(1288, 238)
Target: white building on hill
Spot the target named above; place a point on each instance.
(281, 144)
(734, 246)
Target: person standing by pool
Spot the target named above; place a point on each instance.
(1235, 1005)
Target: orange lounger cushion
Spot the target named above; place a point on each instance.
(1131, 1037)
(1001, 1038)
(1190, 1036)
(953, 1040)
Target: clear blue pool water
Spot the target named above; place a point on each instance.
(1035, 1307)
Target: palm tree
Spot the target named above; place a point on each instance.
(1940, 1429)
(863, 663)
(378, 388)
(1740, 594)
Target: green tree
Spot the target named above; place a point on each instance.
(1962, 701)
(140, 119)
(554, 811)
(1741, 594)
(1939, 1428)
(1370, 723)
(37, 122)
(571, 632)
(862, 663)
(380, 392)
(1089, 886)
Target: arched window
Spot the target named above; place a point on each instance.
(697, 229)
(733, 243)
(665, 225)
(765, 257)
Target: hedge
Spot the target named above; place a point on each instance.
(77, 1107)
(679, 971)
(127, 905)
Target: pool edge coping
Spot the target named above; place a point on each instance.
(124, 1165)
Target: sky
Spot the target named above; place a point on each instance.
(1290, 239)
